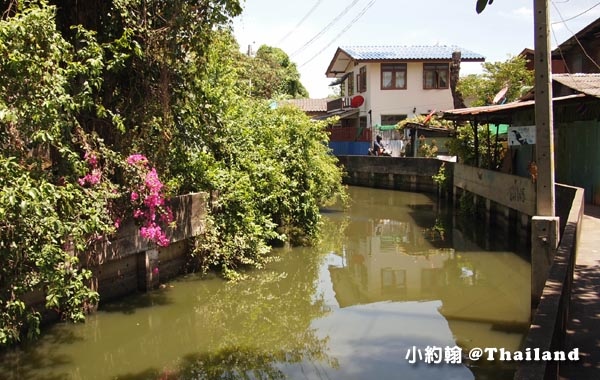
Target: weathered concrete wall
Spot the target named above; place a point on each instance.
(128, 263)
(517, 193)
(407, 174)
(549, 325)
(507, 201)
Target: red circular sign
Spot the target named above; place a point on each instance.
(357, 101)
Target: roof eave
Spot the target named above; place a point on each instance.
(330, 73)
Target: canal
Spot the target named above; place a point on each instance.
(393, 275)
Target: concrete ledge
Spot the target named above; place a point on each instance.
(397, 173)
(548, 328)
(130, 263)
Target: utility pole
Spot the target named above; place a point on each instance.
(544, 226)
(544, 146)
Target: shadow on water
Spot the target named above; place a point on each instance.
(130, 304)
(24, 362)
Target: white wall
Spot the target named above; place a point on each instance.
(394, 102)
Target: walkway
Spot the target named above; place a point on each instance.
(584, 322)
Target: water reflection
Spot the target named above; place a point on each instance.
(391, 274)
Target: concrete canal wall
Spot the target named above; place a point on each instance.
(129, 263)
(549, 322)
(407, 174)
(507, 202)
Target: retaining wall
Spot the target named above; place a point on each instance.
(508, 201)
(128, 262)
(398, 173)
(549, 325)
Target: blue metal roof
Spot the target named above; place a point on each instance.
(422, 52)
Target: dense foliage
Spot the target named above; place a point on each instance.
(270, 74)
(486, 151)
(45, 214)
(480, 89)
(100, 99)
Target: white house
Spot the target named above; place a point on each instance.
(382, 85)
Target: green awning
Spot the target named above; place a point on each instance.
(501, 128)
(386, 127)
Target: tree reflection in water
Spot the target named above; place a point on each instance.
(259, 325)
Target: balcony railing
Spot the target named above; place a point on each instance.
(338, 104)
(349, 134)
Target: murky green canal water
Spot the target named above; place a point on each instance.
(391, 277)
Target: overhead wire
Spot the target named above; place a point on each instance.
(326, 28)
(306, 16)
(575, 37)
(574, 78)
(348, 26)
(573, 17)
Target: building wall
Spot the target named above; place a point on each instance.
(577, 156)
(395, 102)
(576, 144)
(386, 102)
(577, 60)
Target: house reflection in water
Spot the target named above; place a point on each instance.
(484, 295)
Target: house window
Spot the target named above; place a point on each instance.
(393, 76)
(392, 119)
(350, 85)
(435, 75)
(393, 279)
(361, 79)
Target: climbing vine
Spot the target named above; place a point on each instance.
(107, 109)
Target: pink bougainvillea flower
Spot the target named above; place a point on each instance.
(149, 202)
(135, 159)
(91, 178)
(152, 181)
(117, 223)
(91, 159)
(163, 240)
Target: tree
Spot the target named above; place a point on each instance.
(271, 74)
(92, 82)
(512, 74)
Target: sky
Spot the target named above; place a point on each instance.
(310, 31)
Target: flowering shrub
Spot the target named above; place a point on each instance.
(148, 201)
(93, 177)
(146, 197)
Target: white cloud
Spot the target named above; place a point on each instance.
(523, 12)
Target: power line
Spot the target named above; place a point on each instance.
(326, 28)
(573, 17)
(348, 26)
(314, 7)
(575, 37)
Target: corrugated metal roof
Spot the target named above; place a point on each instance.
(343, 114)
(309, 105)
(498, 112)
(418, 52)
(585, 83)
